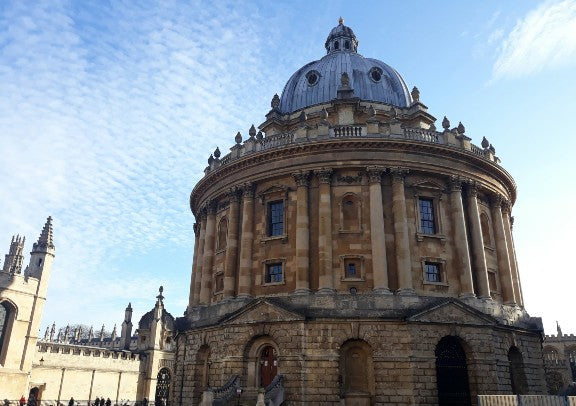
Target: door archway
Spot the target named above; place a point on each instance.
(451, 373)
(162, 387)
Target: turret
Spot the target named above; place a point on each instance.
(126, 333)
(156, 327)
(13, 260)
(41, 258)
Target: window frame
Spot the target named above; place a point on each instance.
(441, 263)
(11, 315)
(271, 195)
(434, 193)
(273, 262)
(360, 270)
(357, 229)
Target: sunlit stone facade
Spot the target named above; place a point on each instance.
(353, 251)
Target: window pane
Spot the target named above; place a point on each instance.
(427, 221)
(432, 272)
(273, 273)
(276, 218)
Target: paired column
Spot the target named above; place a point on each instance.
(194, 280)
(379, 263)
(245, 278)
(231, 244)
(508, 222)
(480, 269)
(199, 258)
(403, 260)
(504, 269)
(461, 239)
(208, 254)
(326, 278)
(302, 233)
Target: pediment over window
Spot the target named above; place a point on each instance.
(428, 185)
(274, 190)
(261, 311)
(452, 312)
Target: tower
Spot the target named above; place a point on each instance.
(23, 294)
(126, 333)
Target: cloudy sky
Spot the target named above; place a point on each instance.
(109, 110)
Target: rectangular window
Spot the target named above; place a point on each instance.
(432, 272)
(350, 268)
(219, 282)
(427, 221)
(273, 273)
(276, 218)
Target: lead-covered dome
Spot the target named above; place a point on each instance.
(319, 81)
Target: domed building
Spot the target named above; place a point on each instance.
(350, 252)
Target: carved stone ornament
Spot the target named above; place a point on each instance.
(324, 114)
(472, 189)
(248, 190)
(252, 131)
(203, 213)
(210, 159)
(302, 178)
(415, 94)
(217, 153)
(233, 194)
(238, 138)
(259, 136)
(275, 103)
(303, 117)
(324, 175)
(371, 111)
(350, 179)
(445, 123)
(460, 129)
(485, 143)
(211, 207)
(398, 174)
(455, 183)
(374, 174)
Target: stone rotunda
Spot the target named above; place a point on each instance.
(351, 252)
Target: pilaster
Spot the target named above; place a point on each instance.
(377, 232)
(326, 278)
(402, 245)
(302, 180)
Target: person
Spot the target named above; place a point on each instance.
(22, 401)
(108, 402)
(102, 401)
(97, 402)
(71, 402)
(33, 396)
(145, 402)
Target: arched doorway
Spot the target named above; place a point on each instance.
(517, 376)
(451, 373)
(356, 373)
(162, 387)
(268, 365)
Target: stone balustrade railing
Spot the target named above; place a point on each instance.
(50, 347)
(262, 143)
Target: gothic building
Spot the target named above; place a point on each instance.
(72, 363)
(351, 252)
(559, 360)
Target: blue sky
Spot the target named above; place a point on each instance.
(109, 110)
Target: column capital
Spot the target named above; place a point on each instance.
(375, 173)
(211, 207)
(233, 194)
(455, 183)
(324, 175)
(472, 190)
(248, 189)
(398, 174)
(203, 213)
(302, 178)
(196, 228)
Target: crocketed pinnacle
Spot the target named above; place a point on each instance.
(46, 240)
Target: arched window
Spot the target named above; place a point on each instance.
(350, 208)
(571, 353)
(551, 355)
(517, 375)
(7, 313)
(162, 387)
(485, 229)
(336, 45)
(356, 372)
(451, 372)
(222, 233)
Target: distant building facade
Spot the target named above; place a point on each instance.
(559, 360)
(70, 363)
(352, 253)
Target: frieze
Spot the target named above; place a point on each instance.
(348, 179)
(324, 175)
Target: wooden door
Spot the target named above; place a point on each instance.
(268, 366)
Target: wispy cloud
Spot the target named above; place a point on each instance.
(544, 39)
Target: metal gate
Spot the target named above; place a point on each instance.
(162, 387)
(451, 373)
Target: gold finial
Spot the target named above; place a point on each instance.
(340, 21)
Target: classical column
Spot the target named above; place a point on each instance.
(461, 239)
(193, 299)
(302, 233)
(379, 263)
(199, 258)
(508, 222)
(504, 269)
(326, 279)
(246, 241)
(208, 254)
(402, 245)
(480, 269)
(231, 244)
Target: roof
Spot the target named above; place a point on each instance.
(146, 321)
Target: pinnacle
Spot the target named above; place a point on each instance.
(45, 241)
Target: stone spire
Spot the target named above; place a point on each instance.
(52, 331)
(91, 334)
(156, 325)
(13, 260)
(558, 329)
(126, 333)
(114, 334)
(102, 333)
(45, 242)
(47, 334)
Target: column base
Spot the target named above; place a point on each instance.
(382, 291)
(485, 298)
(326, 291)
(244, 296)
(301, 291)
(511, 303)
(406, 292)
(467, 295)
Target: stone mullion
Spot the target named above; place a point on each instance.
(377, 233)
(245, 278)
(193, 280)
(402, 245)
(477, 243)
(208, 254)
(461, 240)
(231, 245)
(504, 269)
(302, 233)
(326, 278)
(199, 258)
(512, 255)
